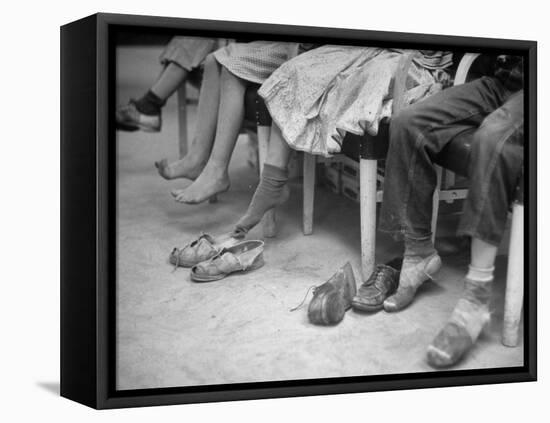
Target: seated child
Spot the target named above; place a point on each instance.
(490, 109)
(227, 73)
(181, 56)
(317, 97)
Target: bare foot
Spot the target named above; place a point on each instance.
(189, 167)
(211, 181)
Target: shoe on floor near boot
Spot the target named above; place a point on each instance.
(332, 299)
(380, 285)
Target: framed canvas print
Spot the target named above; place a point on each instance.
(257, 211)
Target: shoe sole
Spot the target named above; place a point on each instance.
(133, 127)
(197, 278)
(366, 307)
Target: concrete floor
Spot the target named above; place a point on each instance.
(173, 332)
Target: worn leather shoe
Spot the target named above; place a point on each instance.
(242, 257)
(201, 249)
(332, 299)
(380, 285)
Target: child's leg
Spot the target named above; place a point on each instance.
(145, 112)
(193, 163)
(151, 102)
(471, 312)
(272, 189)
(169, 80)
(214, 178)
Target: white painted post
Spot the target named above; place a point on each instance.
(268, 221)
(367, 193)
(309, 193)
(435, 201)
(513, 300)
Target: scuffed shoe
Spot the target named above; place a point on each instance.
(413, 274)
(201, 249)
(242, 257)
(470, 316)
(380, 285)
(129, 118)
(332, 299)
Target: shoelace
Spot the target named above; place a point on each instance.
(178, 250)
(381, 272)
(312, 287)
(176, 265)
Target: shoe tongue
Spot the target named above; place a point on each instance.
(204, 246)
(383, 275)
(208, 238)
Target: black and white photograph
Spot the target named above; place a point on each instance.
(233, 211)
(289, 210)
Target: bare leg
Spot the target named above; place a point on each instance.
(169, 80)
(278, 152)
(193, 163)
(214, 178)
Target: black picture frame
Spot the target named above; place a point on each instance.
(87, 214)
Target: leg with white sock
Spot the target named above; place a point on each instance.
(471, 313)
(497, 159)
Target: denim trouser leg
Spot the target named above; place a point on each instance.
(496, 165)
(418, 134)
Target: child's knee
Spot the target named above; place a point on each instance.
(210, 61)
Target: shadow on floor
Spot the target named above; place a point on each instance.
(51, 387)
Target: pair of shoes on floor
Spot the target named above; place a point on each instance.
(129, 118)
(382, 283)
(332, 299)
(212, 259)
(382, 289)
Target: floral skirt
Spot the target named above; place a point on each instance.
(319, 96)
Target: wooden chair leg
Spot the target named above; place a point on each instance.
(435, 204)
(513, 300)
(367, 193)
(182, 119)
(309, 192)
(268, 221)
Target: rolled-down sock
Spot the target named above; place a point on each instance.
(271, 192)
(467, 321)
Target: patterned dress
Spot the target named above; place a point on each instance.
(254, 61)
(320, 95)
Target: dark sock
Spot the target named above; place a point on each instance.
(271, 192)
(150, 104)
(422, 246)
